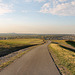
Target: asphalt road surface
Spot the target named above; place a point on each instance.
(35, 62)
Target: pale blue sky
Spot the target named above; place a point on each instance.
(37, 16)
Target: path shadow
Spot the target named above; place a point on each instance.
(70, 49)
(6, 51)
(72, 43)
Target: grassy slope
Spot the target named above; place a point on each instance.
(69, 43)
(9, 46)
(61, 41)
(64, 58)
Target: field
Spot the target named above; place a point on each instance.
(9, 46)
(66, 42)
(61, 41)
(63, 57)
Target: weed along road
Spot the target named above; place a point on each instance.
(35, 62)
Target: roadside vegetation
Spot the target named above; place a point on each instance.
(9, 46)
(11, 59)
(64, 58)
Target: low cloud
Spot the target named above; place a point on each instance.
(5, 8)
(62, 0)
(25, 11)
(40, 0)
(0, 0)
(63, 8)
(35, 0)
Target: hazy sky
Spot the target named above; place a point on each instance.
(37, 16)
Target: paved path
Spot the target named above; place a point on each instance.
(35, 62)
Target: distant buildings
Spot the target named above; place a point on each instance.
(66, 37)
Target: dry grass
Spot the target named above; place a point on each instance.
(64, 58)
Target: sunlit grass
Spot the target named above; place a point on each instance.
(8, 46)
(21, 41)
(61, 41)
(66, 58)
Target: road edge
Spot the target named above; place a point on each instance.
(17, 56)
(53, 60)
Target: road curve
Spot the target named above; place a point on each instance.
(35, 62)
